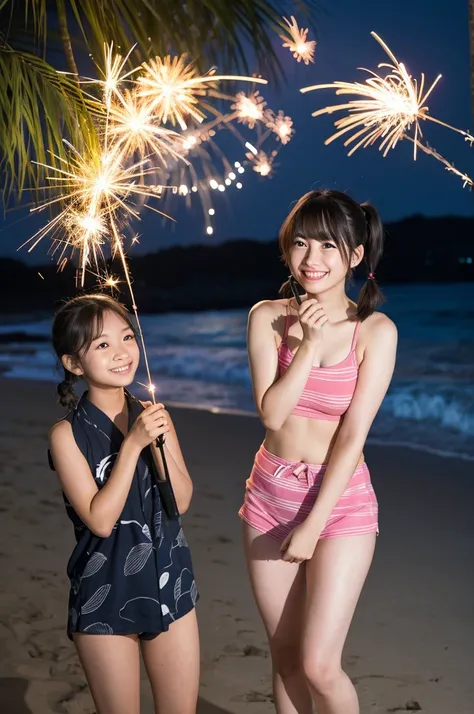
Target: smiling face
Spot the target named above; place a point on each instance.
(322, 240)
(317, 265)
(112, 358)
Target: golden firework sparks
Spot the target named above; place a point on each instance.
(132, 125)
(262, 162)
(95, 191)
(249, 108)
(390, 107)
(174, 88)
(280, 125)
(297, 43)
(114, 73)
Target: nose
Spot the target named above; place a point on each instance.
(121, 354)
(313, 255)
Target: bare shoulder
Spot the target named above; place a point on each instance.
(379, 329)
(60, 433)
(267, 310)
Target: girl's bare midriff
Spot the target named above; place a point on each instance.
(303, 439)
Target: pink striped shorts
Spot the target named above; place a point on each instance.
(280, 494)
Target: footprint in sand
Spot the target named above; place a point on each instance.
(224, 539)
(254, 697)
(214, 496)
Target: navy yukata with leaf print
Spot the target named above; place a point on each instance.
(140, 578)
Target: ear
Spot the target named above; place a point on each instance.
(357, 256)
(72, 365)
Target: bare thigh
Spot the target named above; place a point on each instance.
(278, 587)
(335, 576)
(112, 667)
(172, 664)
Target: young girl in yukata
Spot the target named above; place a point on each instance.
(320, 365)
(132, 582)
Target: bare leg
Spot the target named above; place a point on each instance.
(112, 667)
(172, 664)
(334, 579)
(279, 590)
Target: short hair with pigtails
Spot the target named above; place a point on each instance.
(76, 325)
(332, 215)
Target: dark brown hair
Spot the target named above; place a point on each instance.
(76, 325)
(333, 216)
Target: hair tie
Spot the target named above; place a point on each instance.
(371, 276)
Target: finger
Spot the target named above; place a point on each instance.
(285, 543)
(152, 409)
(154, 417)
(317, 310)
(306, 305)
(155, 433)
(318, 320)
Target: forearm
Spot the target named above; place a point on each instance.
(181, 483)
(283, 396)
(343, 462)
(107, 505)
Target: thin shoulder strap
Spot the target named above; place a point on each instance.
(287, 324)
(355, 336)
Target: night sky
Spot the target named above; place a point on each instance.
(429, 36)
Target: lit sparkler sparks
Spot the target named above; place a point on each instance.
(262, 162)
(174, 87)
(281, 125)
(95, 191)
(249, 109)
(135, 129)
(391, 106)
(297, 43)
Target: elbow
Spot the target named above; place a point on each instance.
(101, 530)
(183, 500)
(271, 422)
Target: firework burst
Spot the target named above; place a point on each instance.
(392, 107)
(296, 41)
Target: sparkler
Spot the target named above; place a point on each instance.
(390, 108)
(297, 42)
(97, 190)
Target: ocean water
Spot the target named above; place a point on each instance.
(200, 359)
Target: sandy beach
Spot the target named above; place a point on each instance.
(411, 647)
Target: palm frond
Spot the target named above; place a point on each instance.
(38, 109)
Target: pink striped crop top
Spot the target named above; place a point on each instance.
(329, 390)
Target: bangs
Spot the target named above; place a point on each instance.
(317, 218)
(89, 324)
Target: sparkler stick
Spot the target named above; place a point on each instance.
(96, 189)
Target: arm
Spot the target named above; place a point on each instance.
(375, 374)
(179, 476)
(100, 509)
(97, 509)
(275, 397)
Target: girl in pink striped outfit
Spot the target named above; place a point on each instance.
(320, 370)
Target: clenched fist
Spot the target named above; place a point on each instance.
(152, 423)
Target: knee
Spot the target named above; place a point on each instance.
(321, 673)
(286, 658)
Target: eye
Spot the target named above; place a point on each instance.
(131, 336)
(328, 245)
(102, 346)
(299, 243)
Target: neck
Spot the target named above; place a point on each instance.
(335, 302)
(110, 400)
